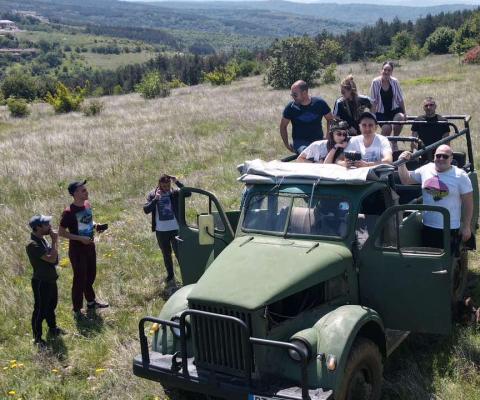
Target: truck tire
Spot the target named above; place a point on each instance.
(362, 379)
(460, 275)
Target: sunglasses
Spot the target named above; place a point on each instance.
(294, 95)
(430, 105)
(444, 156)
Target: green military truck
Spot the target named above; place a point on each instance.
(305, 291)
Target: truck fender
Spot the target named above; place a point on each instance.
(338, 330)
(164, 341)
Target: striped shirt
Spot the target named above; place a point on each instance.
(377, 98)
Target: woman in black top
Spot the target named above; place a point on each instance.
(351, 105)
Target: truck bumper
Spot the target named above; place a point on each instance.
(207, 382)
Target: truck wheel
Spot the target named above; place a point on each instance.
(460, 274)
(363, 373)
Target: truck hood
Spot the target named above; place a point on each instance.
(254, 271)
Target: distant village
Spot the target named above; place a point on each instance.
(8, 27)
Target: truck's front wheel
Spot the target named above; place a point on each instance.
(363, 373)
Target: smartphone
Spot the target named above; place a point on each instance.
(101, 227)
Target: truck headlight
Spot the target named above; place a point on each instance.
(303, 347)
(176, 330)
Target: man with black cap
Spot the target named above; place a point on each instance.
(44, 259)
(78, 226)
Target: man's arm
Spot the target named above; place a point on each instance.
(62, 232)
(467, 215)
(284, 133)
(52, 256)
(403, 173)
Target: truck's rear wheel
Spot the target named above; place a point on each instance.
(363, 373)
(460, 275)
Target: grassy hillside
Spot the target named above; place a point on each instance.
(199, 134)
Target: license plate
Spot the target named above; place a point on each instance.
(258, 397)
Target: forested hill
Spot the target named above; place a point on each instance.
(358, 14)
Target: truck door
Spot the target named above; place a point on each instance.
(408, 284)
(194, 258)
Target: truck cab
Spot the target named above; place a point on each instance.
(304, 291)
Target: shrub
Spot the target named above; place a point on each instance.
(472, 56)
(117, 90)
(329, 74)
(18, 107)
(19, 84)
(153, 85)
(94, 107)
(222, 75)
(65, 100)
(292, 59)
(176, 83)
(440, 40)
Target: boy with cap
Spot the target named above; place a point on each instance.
(43, 259)
(78, 226)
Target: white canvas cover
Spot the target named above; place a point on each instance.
(259, 171)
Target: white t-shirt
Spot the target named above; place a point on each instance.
(375, 152)
(442, 189)
(316, 151)
(164, 217)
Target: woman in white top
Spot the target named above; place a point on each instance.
(374, 149)
(330, 150)
(388, 102)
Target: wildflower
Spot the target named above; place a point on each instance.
(99, 370)
(5, 368)
(55, 371)
(155, 327)
(64, 262)
(12, 392)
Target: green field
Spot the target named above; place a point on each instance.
(87, 41)
(199, 134)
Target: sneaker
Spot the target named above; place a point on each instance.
(56, 332)
(95, 304)
(79, 315)
(40, 343)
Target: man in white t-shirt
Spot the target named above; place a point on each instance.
(443, 185)
(374, 149)
(162, 203)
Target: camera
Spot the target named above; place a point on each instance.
(353, 155)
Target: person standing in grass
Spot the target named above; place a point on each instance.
(162, 204)
(44, 259)
(305, 113)
(388, 101)
(78, 227)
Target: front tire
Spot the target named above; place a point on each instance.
(363, 373)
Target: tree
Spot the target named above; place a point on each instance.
(153, 85)
(440, 40)
(293, 59)
(19, 84)
(468, 35)
(331, 52)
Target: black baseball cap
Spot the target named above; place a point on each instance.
(75, 185)
(38, 220)
(367, 114)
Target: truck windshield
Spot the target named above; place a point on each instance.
(297, 215)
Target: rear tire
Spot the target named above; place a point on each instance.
(362, 379)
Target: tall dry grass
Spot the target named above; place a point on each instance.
(199, 134)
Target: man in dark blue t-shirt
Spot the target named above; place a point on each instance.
(306, 114)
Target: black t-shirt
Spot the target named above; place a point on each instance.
(307, 120)
(430, 133)
(387, 98)
(42, 270)
(343, 109)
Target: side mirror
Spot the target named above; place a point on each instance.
(206, 229)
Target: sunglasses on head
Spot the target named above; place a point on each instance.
(441, 155)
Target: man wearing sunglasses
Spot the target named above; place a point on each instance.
(444, 185)
(305, 113)
(432, 131)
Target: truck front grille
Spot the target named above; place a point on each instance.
(217, 342)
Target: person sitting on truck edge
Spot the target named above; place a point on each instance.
(330, 150)
(351, 105)
(445, 185)
(432, 132)
(162, 203)
(374, 149)
(305, 113)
